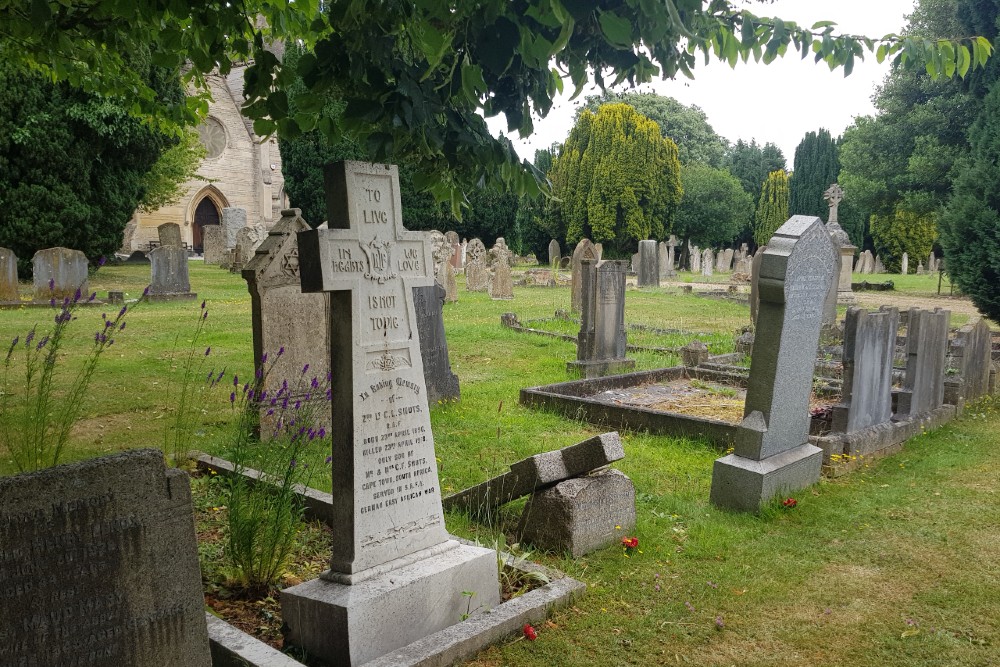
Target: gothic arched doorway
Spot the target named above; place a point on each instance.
(205, 214)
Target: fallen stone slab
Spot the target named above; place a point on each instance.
(538, 472)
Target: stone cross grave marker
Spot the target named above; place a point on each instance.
(772, 451)
(100, 566)
(869, 344)
(58, 273)
(477, 279)
(833, 196)
(394, 575)
(8, 276)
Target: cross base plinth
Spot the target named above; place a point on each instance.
(354, 624)
(746, 485)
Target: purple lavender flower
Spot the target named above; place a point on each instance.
(298, 404)
(122, 327)
(204, 315)
(236, 380)
(145, 292)
(42, 342)
(305, 369)
(93, 295)
(281, 350)
(77, 294)
(329, 459)
(322, 434)
(121, 313)
(52, 284)
(314, 384)
(210, 374)
(52, 302)
(232, 397)
(27, 341)
(203, 305)
(102, 261)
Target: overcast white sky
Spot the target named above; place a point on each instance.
(779, 102)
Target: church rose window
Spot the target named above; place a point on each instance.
(213, 137)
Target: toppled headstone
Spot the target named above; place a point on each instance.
(100, 566)
(772, 451)
(538, 472)
(580, 515)
(395, 576)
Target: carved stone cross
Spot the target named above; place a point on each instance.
(833, 196)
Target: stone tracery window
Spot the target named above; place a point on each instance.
(213, 137)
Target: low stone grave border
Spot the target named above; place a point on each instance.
(233, 648)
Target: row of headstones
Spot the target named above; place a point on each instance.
(868, 263)
(58, 273)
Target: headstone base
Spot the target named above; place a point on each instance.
(354, 624)
(180, 296)
(746, 485)
(600, 368)
(581, 515)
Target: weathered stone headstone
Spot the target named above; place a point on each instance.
(100, 566)
(932, 265)
(926, 349)
(920, 269)
(904, 267)
(283, 317)
(213, 245)
(755, 283)
(671, 257)
(584, 250)
(694, 354)
(501, 285)
(973, 347)
(58, 273)
(477, 278)
(444, 272)
(724, 262)
(128, 234)
(457, 250)
(248, 239)
(707, 262)
(869, 343)
(580, 515)
(554, 254)
(694, 258)
(600, 345)
(169, 278)
(649, 267)
(233, 220)
(772, 451)
(634, 265)
(879, 267)
(394, 576)
(8, 276)
(169, 234)
(441, 382)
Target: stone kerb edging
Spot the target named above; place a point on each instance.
(445, 647)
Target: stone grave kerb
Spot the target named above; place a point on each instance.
(369, 263)
(796, 271)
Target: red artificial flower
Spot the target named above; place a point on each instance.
(529, 632)
(790, 503)
(630, 542)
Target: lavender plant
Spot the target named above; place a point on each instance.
(277, 434)
(37, 410)
(179, 432)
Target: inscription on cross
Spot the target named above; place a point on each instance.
(385, 493)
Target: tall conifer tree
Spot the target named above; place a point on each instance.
(772, 208)
(815, 168)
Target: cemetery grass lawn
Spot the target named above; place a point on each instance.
(894, 564)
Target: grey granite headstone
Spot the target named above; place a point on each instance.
(694, 258)
(707, 262)
(649, 266)
(584, 250)
(213, 245)
(869, 344)
(580, 515)
(926, 348)
(58, 273)
(477, 278)
(8, 276)
(554, 254)
(501, 285)
(282, 317)
(100, 566)
(233, 220)
(395, 576)
(169, 234)
(538, 472)
(904, 266)
(169, 272)
(772, 451)
(441, 382)
(600, 345)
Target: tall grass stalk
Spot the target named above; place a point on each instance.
(179, 432)
(265, 515)
(37, 412)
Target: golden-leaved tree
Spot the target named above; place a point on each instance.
(616, 180)
(772, 208)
